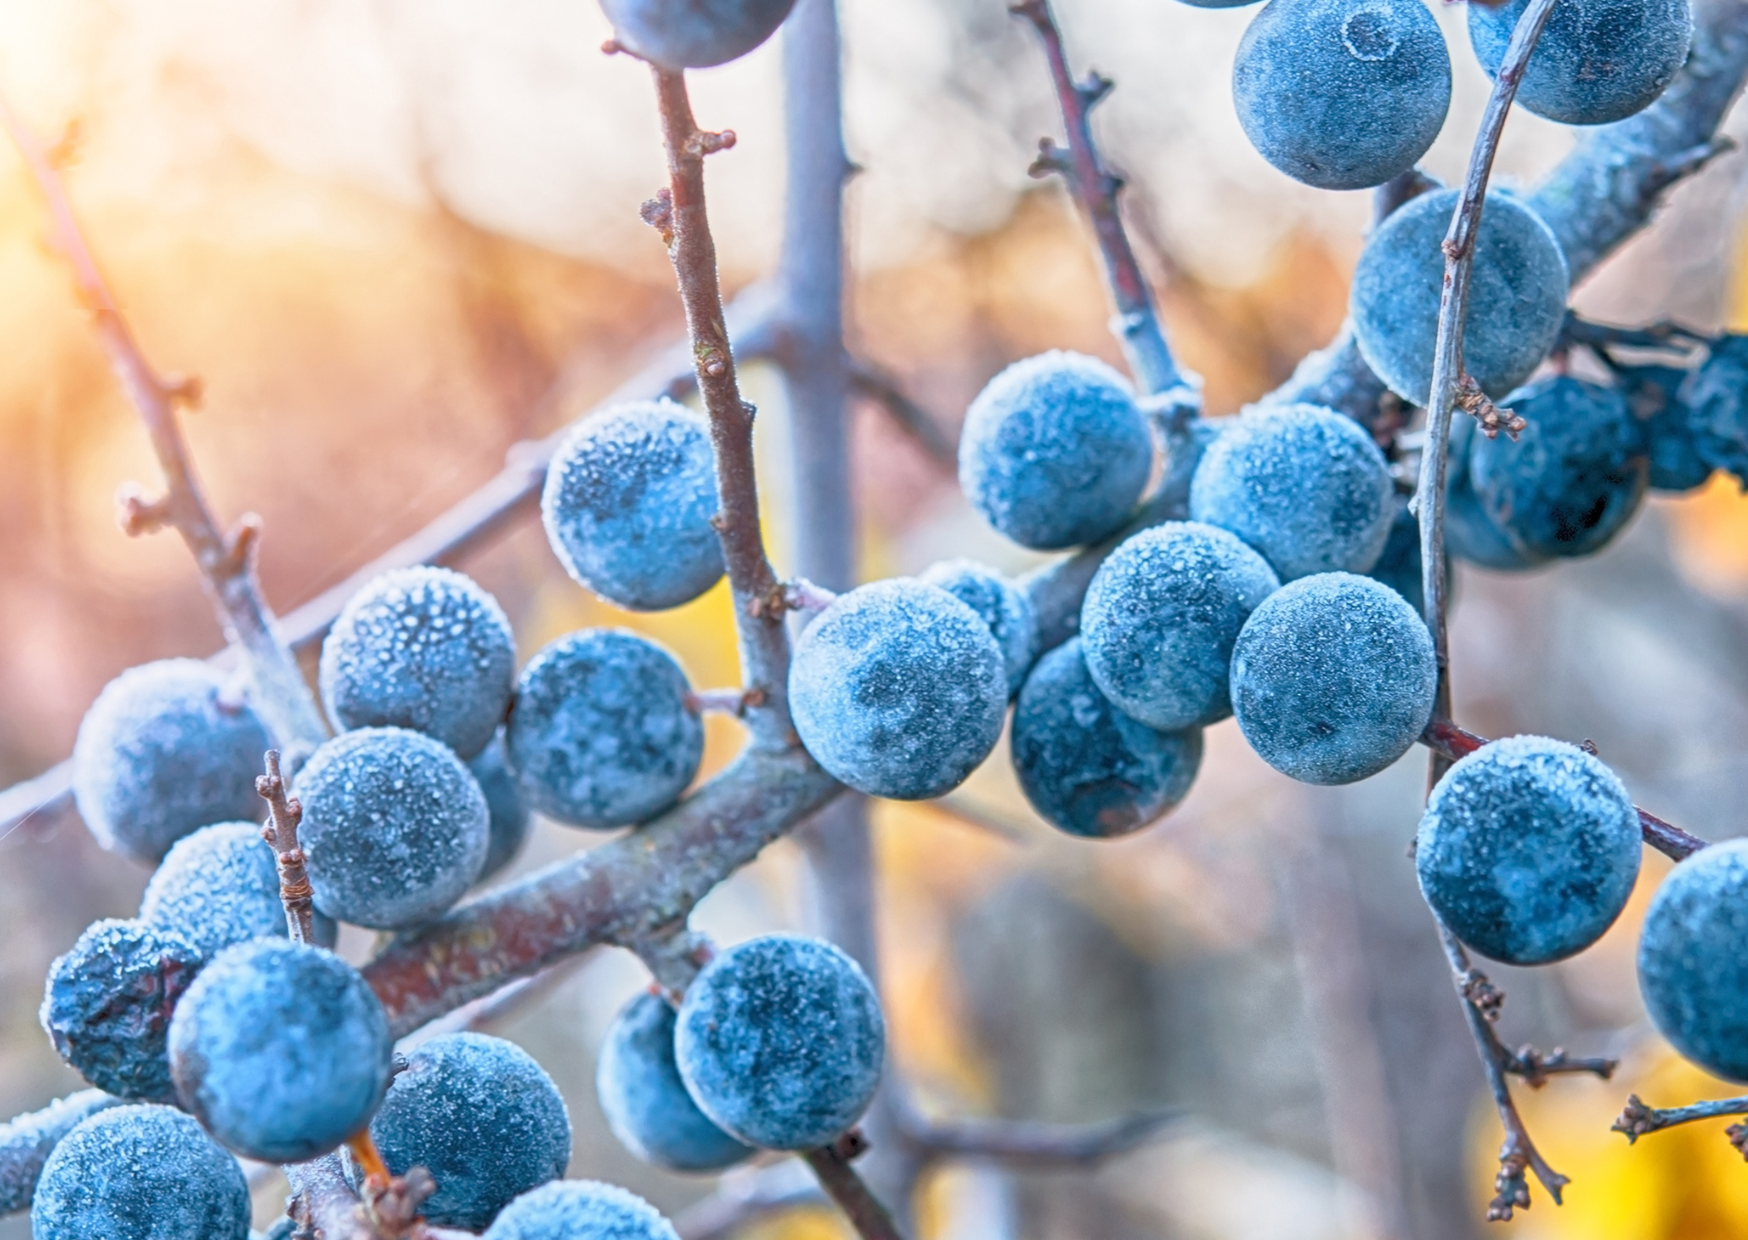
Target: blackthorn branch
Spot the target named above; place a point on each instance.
(284, 814)
(1638, 1120)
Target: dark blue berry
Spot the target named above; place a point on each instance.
(1086, 767)
(602, 734)
(1572, 479)
(694, 34)
(898, 689)
(166, 748)
(1517, 295)
(1596, 61)
(510, 819)
(425, 649)
(1342, 94)
(781, 1042)
(1160, 617)
(1470, 534)
(108, 1001)
(219, 887)
(1528, 850)
(1716, 400)
(1000, 604)
(1400, 565)
(481, 1116)
(1333, 678)
(280, 1050)
(580, 1210)
(1653, 395)
(140, 1173)
(1054, 451)
(645, 1101)
(1303, 485)
(628, 505)
(1693, 959)
(394, 827)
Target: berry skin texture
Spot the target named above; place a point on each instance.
(1574, 477)
(781, 1041)
(1653, 395)
(1054, 451)
(1303, 485)
(1470, 534)
(1160, 618)
(1333, 678)
(1693, 959)
(694, 34)
(425, 649)
(1342, 94)
(628, 503)
(107, 1005)
(167, 747)
(220, 887)
(898, 689)
(601, 735)
(1528, 850)
(508, 814)
(481, 1116)
(1597, 60)
(394, 827)
(1715, 399)
(1086, 767)
(140, 1173)
(580, 1210)
(645, 1101)
(1517, 295)
(280, 1050)
(1000, 604)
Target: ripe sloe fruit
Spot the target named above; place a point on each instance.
(508, 813)
(898, 689)
(219, 887)
(580, 1210)
(694, 34)
(1596, 61)
(1471, 534)
(1086, 767)
(1000, 604)
(1528, 849)
(1054, 451)
(1716, 400)
(1333, 678)
(1693, 959)
(601, 734)
(167, 747)
(1653, 395)
(628, 503)
(780, 1041)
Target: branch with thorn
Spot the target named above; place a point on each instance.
(1490, 419)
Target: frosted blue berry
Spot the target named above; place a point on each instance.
(1470, 534)
(219, 887)
(140, 1173)
(1517, 295)
(421, 648)
(1528, 849)
(1160, 617)
(628, 504)
(1333, 678)
(780, 1041)
(1572, 479)
(1596, 61)
(1000, 604)
(1303, 485)
(1086, 767)
(1693, 959)
(1342, 94)
(580, 1210)
(107, 1005)
(280, 1050)
(898, 689)
(481, 1116)
(645, 1101)
(508, 813)
(1054, 451)
(167, 747)
(1653, 395)
(394, 827)
(694, 34)
(601, 734)
(1716, 401)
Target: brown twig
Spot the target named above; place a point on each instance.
(679, 214)
(226, 560)
(831, 1166)
(1028, 1142)
(1490, 418)
(324, 1204)
(285, 812)
(1638, 1120)
(1096, 188)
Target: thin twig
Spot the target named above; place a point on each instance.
(831, 1165)
(226, 560)
(680, 215)
(745, 1194)
(1096, 188)
(1030, 1142)
(285, 812)
(1639, 1120)
(872, 385)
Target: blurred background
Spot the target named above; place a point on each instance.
(397, 237)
